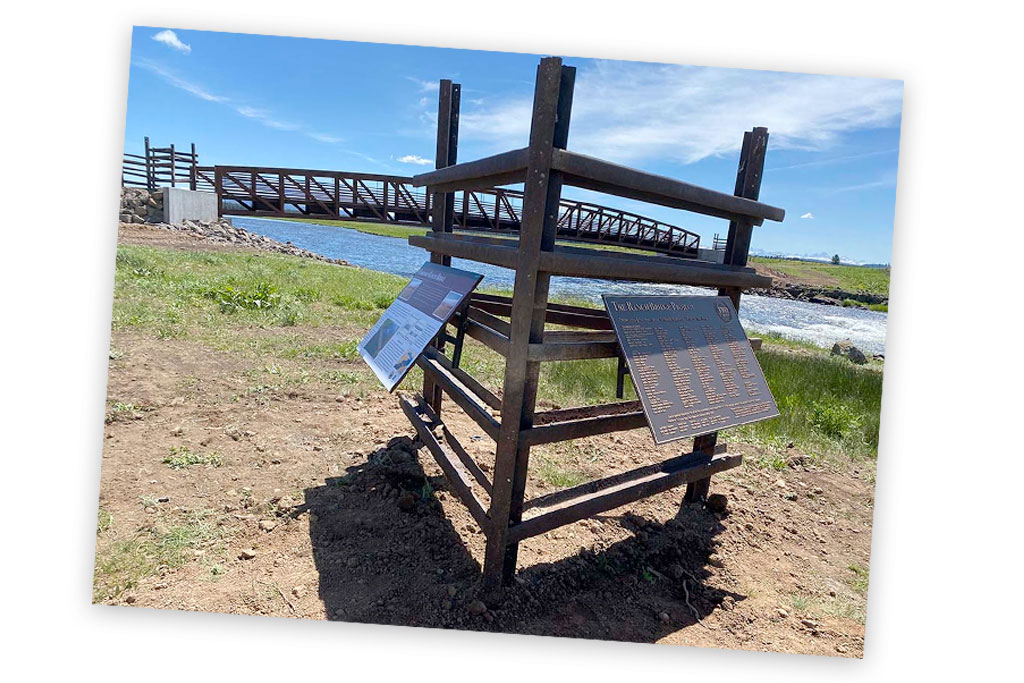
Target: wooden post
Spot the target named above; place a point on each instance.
(737, 249)
(552, 104)
(172, 164)
(443, 209)
(218, 187)
(150, 185)
(192, 169)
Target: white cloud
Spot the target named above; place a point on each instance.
(413, 159)
(885, 180)
(170, 39)
(325, 137)
(425, 86)
(627, 111)
(808, 215)
(263, 116)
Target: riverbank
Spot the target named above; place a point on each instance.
(818, 283)
(253, 465)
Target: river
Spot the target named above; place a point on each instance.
(814, 323)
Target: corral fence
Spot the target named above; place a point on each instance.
(166, 167)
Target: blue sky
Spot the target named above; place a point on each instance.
(306, 103)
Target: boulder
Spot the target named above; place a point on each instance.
(846, 349)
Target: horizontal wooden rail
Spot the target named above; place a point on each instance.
(603, 176)
(577, 423)
(500, 169)
(593, 498)
(461, 394)
(426, 421)
(640, 268)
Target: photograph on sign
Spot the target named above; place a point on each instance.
(392, 345)
(691, 364)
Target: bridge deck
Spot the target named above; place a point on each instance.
(333, 195)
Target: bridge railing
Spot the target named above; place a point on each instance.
(285, 192)
(340, 195)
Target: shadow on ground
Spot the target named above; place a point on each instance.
(387, 554)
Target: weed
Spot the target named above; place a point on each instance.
(103, 521)
(289, 317)
(182, 457)
(123, 412)
(148, 501)
(800, 602)
(771, 462)
(349, 350)
(260, 297)
(859, 580)
(308, 294)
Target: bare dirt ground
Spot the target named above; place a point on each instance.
(323, 507)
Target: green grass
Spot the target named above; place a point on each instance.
(558, 474)
(103, 521)
(122, 564)
(830, 408)
(849, 278)
(859, 580)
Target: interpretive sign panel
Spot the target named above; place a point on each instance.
(432, 296)
(691, 364)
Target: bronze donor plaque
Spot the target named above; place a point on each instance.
(691, 364)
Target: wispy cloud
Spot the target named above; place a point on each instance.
(628, 111)
(886, 180)
(425, 86)
(260, 115)
(808, 216)
(171, 40)
(836, 160)
(414, 159)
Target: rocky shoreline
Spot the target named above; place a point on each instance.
(819, 295)
(139, 206)
(222, 231)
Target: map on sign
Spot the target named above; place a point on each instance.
(691, 364)
(393, 344)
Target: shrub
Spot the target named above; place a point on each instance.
(834, 420)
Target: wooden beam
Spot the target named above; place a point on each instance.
(461, 394)
(459, 176)
(425, 421)
(549, 130)
(608, 494)
(596, 174)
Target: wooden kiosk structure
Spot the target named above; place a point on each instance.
(515, 327)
